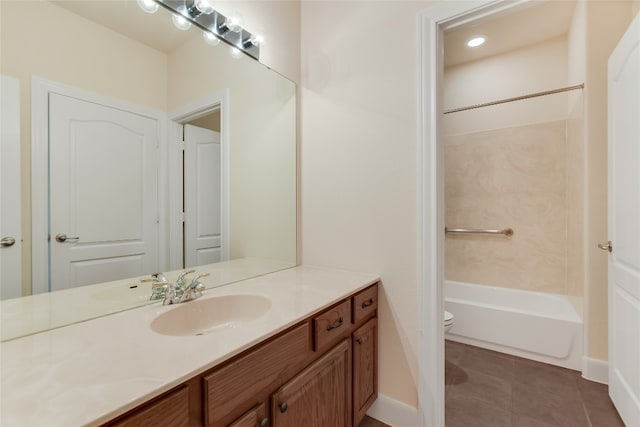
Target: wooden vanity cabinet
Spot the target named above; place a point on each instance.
(321, 372)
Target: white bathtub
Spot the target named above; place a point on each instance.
(538, 326)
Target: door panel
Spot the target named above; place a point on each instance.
(10, 223)
(202, 196)
(103, 191)
(624, 225)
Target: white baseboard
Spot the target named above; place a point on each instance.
(595, 370)
(393, 412)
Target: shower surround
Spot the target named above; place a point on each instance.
(527, 178)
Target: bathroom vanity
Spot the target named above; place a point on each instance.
(309, 358)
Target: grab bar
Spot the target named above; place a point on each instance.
(506, 231)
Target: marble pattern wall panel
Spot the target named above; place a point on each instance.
(514, 177)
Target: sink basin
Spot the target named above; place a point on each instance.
(206, 315)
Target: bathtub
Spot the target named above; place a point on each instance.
(534, 325)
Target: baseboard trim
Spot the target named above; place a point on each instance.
(393, 412)
(595, 370)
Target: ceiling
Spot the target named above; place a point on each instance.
(125, 17)
(526, 26)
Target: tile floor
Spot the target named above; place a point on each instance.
(488, 389)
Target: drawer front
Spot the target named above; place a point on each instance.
(231, 390)
(365, 303)
(171, 410)
(331, 324)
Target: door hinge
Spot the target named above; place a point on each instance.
(181, 216)
(181, 145)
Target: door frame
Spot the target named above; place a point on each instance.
(219, 100)
(432, 22)
(40, 90)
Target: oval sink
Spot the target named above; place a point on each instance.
(205, 315)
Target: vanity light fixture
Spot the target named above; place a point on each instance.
(476, 41)
(148, 6)
(216, 27)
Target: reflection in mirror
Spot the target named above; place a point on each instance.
(107, 97)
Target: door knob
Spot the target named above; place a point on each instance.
(606, 247)
(7, 241)
(61, 237)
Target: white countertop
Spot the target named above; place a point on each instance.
(90, 372)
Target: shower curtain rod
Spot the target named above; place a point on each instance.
(517, 98)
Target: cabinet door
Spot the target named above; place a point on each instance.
(365, 369)
(319, 396)
(255, 417)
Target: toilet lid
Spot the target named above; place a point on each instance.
(448, 317)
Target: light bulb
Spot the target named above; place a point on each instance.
(234, 23)
(148, 6)
(476, 41)
(204, 6)
(235, 52)
(210, 38)
(180, 22)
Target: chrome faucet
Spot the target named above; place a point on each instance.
(177, 294)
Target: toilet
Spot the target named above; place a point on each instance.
(448, 321)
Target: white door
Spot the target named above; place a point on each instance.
(103, 178)
(10, 223)
(624, 225)
(202, 196)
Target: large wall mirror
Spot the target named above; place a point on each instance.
(142, 148)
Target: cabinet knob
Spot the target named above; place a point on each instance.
(359, 340)
(264, 422)
(284, 407)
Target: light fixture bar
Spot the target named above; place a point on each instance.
(214, 23)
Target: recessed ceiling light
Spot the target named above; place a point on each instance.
(476, 41)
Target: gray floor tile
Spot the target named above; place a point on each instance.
(541, 405)
(464, 411)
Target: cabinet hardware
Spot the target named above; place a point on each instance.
(264, 422)
(284, 407)
(367, 303)
(61, 238)
(335, 325)
(359, 340)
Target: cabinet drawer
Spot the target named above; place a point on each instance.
(365, 303)
(331, 324)
(171, 410)
(233, 389)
